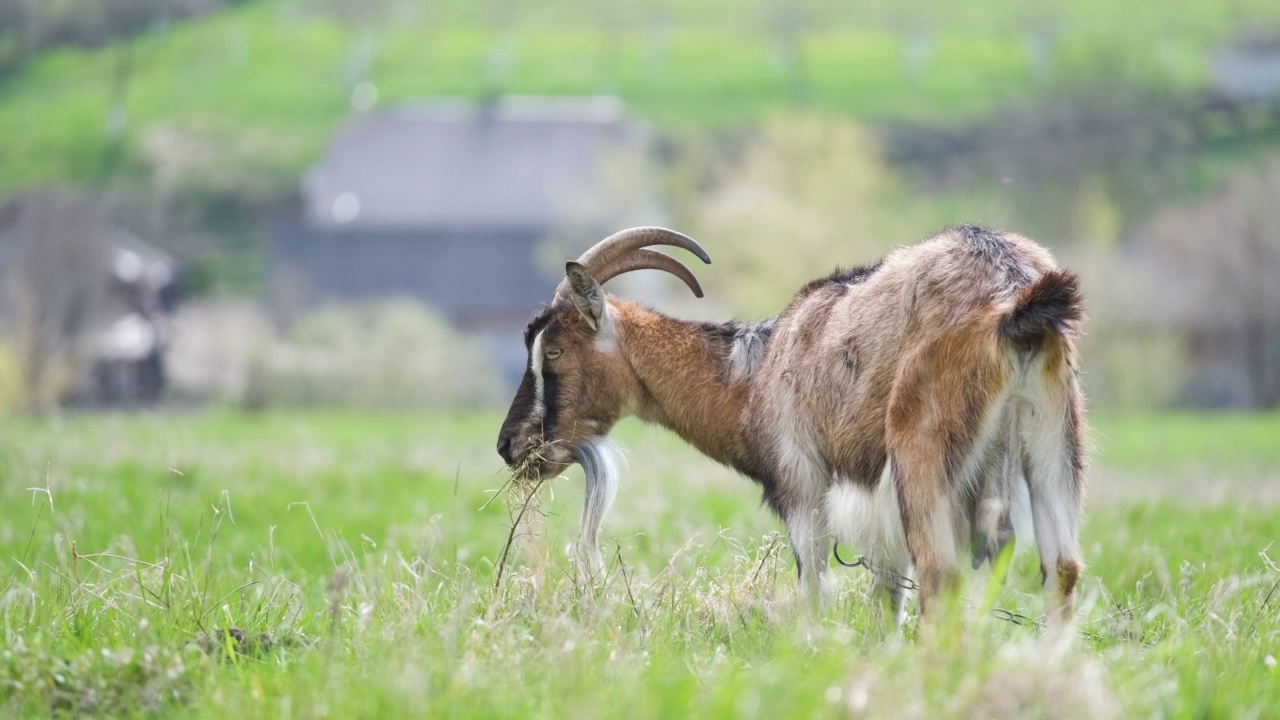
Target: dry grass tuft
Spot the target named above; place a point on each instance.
(522, 492)
(1045, 679)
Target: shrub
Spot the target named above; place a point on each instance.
(212, 345)
(806, 193)
(1215, 264)
(396, 354)
(10, 380)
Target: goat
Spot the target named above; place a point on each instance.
(904, 407)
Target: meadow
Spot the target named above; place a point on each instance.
(340, 565)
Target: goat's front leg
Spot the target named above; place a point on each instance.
(811, 545)
(888, 586)
(804, 485)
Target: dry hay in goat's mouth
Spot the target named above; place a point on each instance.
(527, 476)
(522, 491)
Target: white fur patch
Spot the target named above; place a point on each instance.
(807, 477)
(747, 351)
(869, 521)
(811, 544)
(607, 334)
(1020, 513)
(535, 366)
(1055, 509)
(602, 465)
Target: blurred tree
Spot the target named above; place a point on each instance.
(370, 19)
(53, 281)
(501, 58)
(788, 24)
(805, 194)
(1216, 263)
(1085, 163)
(393, 354)
(30, 26)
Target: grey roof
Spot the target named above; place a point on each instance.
(514, 162)
(478, 277)
(1248, 71)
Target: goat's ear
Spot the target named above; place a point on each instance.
(586, 293)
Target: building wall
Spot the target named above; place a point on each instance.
(485, 282)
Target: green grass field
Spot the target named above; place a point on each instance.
(356, 544)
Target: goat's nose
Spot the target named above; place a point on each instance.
(505, 449)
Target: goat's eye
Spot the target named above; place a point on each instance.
(553, 354)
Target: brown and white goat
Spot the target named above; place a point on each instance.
(905, 408)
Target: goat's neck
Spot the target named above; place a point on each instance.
(682, 382)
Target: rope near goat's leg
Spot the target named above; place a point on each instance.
(902, 581)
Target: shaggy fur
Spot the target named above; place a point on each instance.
(902, 407)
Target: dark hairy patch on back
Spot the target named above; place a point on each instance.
(720, 332)
(734, 329)
(723, 338)
(719, 338)
(854, 275)
(840, 279)
(990, 245)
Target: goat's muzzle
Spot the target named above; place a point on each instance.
(507, 448)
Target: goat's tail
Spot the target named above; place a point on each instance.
(1049, 421)
(1050, 306)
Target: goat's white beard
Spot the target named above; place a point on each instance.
(602, 461)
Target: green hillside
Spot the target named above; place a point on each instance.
(266, 83)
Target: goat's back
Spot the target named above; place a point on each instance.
(837, 350)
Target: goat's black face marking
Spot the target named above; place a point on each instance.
(550, 401)
(550, 385)
(535, 326)
(522, 406)
(537, 398)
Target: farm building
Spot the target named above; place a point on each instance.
(83, 298)
(456, 204)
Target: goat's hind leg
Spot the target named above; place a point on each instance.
(992, 526)
(920, 478)
(1053, 462)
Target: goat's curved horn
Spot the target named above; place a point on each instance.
(625, 251)
(625, 241)
(643, 259)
